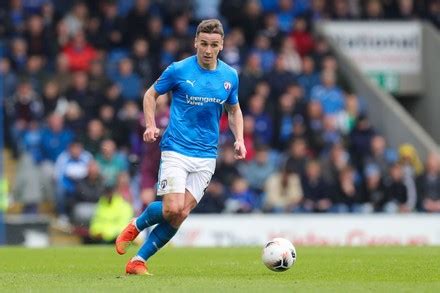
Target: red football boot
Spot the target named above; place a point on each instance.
(126, 237)
(136, 267)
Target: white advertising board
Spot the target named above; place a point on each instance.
(393, 47)
(318, 230)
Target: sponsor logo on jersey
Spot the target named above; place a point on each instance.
(200, 101)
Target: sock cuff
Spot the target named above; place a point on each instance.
(135, 225)
(138, 257)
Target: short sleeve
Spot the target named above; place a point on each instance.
(166, 81)
(233, 96)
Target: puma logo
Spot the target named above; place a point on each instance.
(191, 82)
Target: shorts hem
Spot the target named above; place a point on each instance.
(193, 195)
(213, 156)
(168, 192)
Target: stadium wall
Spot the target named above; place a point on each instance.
(220, 230)
(426, 108)
(310, 230)
(385, 112)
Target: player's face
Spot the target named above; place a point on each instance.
(208, 46)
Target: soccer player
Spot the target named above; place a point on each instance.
(200, 86)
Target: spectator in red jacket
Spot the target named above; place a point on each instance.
(302, 38)
(79, 53)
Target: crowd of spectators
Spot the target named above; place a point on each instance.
(73, 74)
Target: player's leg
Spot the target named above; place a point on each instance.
(173, 209)
(172, 179)
(176, 208)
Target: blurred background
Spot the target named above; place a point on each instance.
(340, 101)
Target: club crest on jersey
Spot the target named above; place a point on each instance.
(227, 85)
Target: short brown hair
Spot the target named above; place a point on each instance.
(210, 26)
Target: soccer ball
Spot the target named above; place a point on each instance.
(279, 254)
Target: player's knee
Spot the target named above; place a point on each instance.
(179, 219)
(172, 212)
(181, 216)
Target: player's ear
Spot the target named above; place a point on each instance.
(195, 42)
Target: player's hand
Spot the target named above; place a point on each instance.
(151, 134)
(240, 150)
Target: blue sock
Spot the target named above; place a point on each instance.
(160, 235)
(152, 215)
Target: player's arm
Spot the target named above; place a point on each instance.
(151, 131)
(235, 119)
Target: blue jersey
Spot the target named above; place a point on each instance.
(197, 101)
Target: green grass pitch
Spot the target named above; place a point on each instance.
(330, 269)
